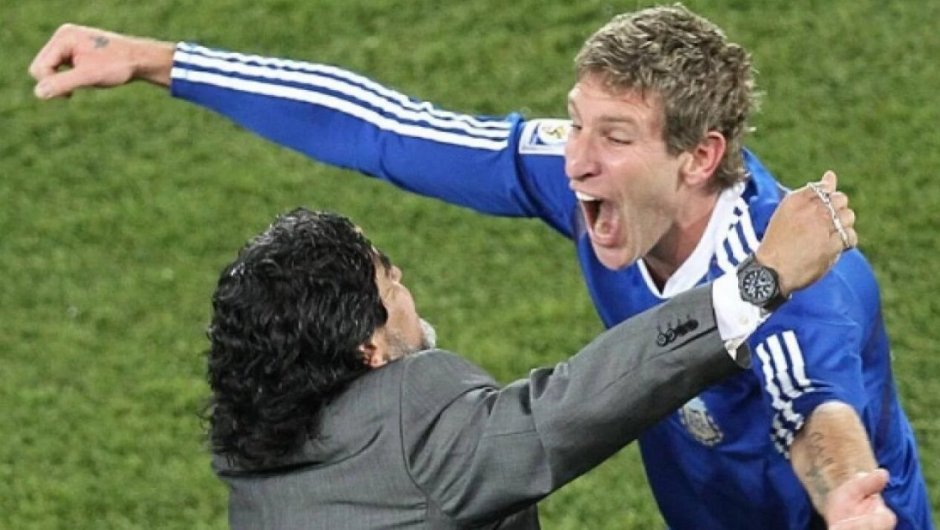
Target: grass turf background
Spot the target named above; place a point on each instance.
(118, 208)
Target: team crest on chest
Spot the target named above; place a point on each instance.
(700, 424)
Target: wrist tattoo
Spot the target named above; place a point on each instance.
(100, 41)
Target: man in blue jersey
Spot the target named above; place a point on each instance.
(649, 178)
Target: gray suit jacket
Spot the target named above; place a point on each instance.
(431, 441)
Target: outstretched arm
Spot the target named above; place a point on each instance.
(480, 452)
(496, 165)
(81, 57)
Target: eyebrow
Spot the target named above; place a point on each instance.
(618, 120)
(605, 119)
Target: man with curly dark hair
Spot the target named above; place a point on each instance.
(307, 284)
(331, 409)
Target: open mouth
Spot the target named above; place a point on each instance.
(600, 218)
(590, 205)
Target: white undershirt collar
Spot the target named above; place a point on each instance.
(696, 266)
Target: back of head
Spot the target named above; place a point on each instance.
(704, 82)
(289, 315)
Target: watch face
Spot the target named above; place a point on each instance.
(758, 286)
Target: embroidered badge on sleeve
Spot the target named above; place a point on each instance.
(544, 137)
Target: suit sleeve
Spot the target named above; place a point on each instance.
(496, 165)
(480, 452)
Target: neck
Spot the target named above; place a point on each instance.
(671, 251)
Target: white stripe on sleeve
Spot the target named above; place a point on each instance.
(344, 106)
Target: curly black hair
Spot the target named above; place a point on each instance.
(289, 315)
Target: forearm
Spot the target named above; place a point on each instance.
(831, 448)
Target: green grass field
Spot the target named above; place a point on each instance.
(118, 208)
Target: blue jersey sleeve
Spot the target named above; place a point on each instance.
(499, 166)
(818, 347)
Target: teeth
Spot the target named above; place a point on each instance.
(585, 197)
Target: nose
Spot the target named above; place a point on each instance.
(580, 160)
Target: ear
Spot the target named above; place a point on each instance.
(373, 351)
(702, 161)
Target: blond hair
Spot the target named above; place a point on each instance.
(704, 82)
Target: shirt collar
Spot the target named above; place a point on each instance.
(693, 269)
